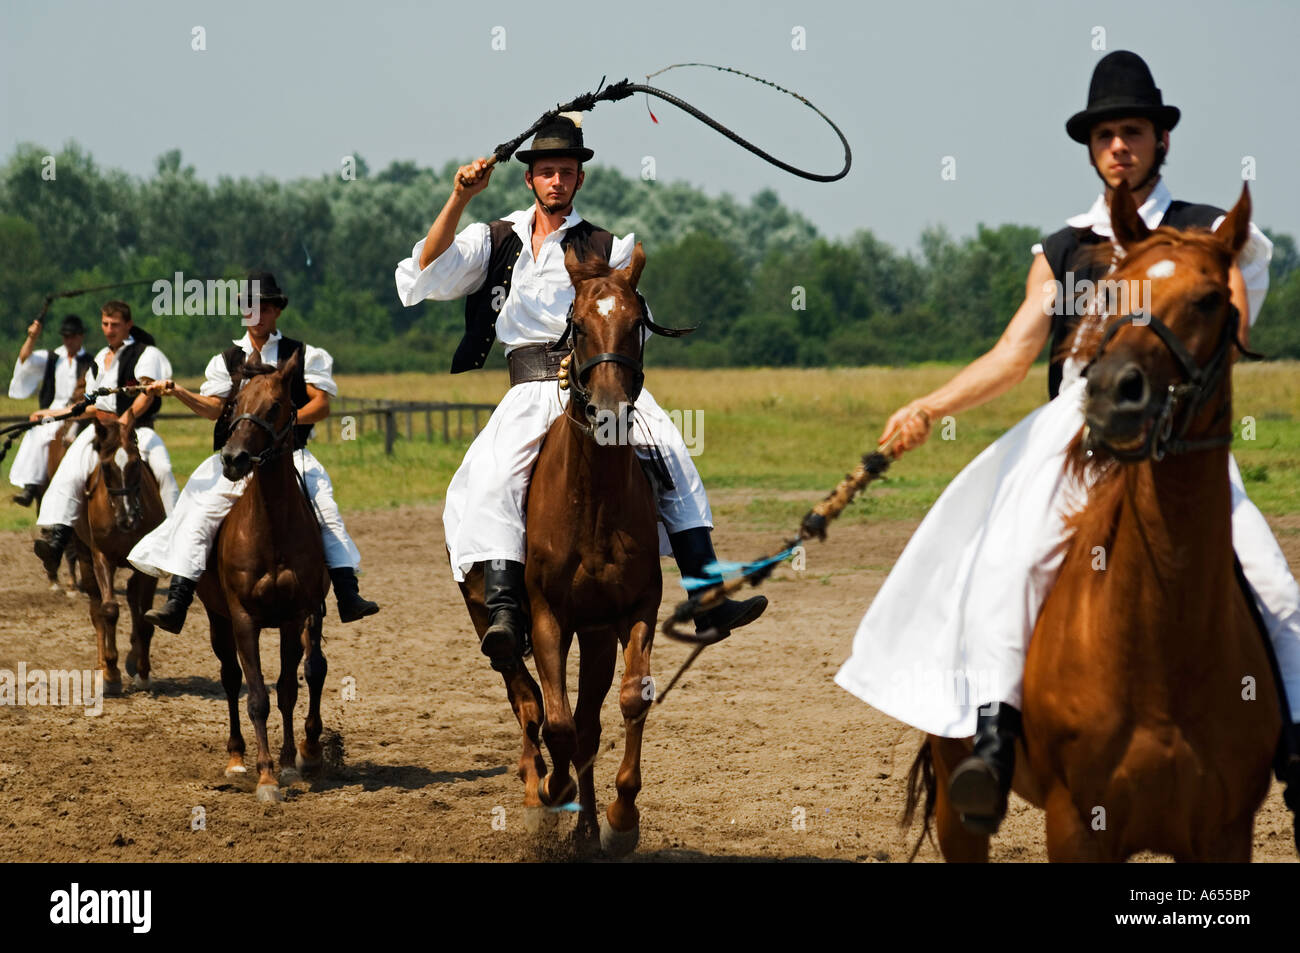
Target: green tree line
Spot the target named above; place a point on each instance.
(763, 287)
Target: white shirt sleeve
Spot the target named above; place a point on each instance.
(1253, 261)
(318, 369)
(216, 378)
(28, 374)
(153, 365)
(459, 270)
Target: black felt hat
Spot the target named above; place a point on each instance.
(1122, 85)
(268, 290)
(559, 138)
(72, 325)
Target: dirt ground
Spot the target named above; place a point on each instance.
(421, 762)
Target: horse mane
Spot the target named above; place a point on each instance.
(256, 369)
(591, 268)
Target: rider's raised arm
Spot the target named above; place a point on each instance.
(992, 373)
(29, 371)
(444, 265)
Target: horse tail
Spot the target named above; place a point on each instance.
(920, 779)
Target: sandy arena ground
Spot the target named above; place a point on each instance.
(754, 737)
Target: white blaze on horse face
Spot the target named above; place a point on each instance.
(120, 458)
(605, 305)
(1161, 269)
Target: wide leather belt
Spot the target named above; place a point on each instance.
(535, 362)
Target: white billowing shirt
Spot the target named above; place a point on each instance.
(1252, 261)
(152, 365)
(540, 290)
(317, 367)
(29, 374)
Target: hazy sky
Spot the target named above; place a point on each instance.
(288, 89)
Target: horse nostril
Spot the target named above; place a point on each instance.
(591, 412)
(1131, 387)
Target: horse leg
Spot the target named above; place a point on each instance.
(957, 844)
(621, 831)
(223, 644)
(550, 649)
(259, 701)
(1069, 837)
(526, 700)
(597, 649)
(313, 670)
(286, 694)
(106, 630)
(140, 589)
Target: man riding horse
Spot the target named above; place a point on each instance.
(182, 543)
(130, 358)
(53, 376)
(962, 601)
(519, 290)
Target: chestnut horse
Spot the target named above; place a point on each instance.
(592, 563)
(1139, 731)
(267, 570)
(122, 505)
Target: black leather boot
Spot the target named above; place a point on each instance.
(979, 786)
(54, 540)
(693, 550)
(346, 591)
(504, 593)
(28, 495)
(170, 617)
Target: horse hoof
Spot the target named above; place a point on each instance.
(617, 843)
(71, 593)
(55, 587)
(306, 765)
(289, 776)
(269, 793)
(540, 820)
(141, 684)
(236, 771)
(113, 689)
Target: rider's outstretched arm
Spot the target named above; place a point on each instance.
(991, 374)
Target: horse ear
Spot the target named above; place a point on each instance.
(291, 366)
(1234, 230)
(571, 263)
(633, 271)
(1125, 221)
(101, 432)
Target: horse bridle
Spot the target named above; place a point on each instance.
(277, 445)
(578, 377)
(1200, 381)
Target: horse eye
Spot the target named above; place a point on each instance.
(1212, 301)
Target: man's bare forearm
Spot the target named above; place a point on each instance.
(443, 230)
(205, 406)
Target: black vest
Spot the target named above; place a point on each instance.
(482, 306)
(1073, 251)
(126, 358)
(45, 396)
(233, 357)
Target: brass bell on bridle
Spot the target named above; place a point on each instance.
(563, 376)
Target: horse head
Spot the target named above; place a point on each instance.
(263, 416)
(606, 334)
(1159, 379)
(121, 470)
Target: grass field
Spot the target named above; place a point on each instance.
(771, 441)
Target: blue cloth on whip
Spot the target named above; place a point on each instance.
(718, 571)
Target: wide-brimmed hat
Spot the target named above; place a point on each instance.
(1122, 85)
(560, 138)
(268, 290)
(72, 325)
